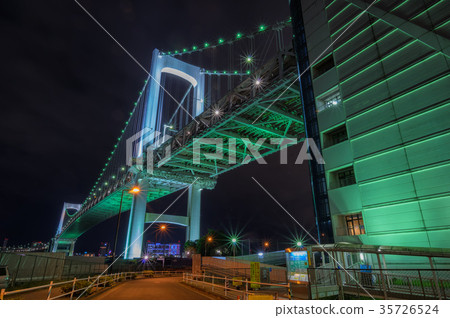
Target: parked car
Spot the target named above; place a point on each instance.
(4, 277)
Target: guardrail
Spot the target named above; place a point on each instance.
(385, 283)
(96, 282)
(222, 286)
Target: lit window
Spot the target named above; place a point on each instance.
(355, 224)
(333, 101)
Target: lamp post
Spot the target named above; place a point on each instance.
(134, 190)
(209, 239)
(162, 228)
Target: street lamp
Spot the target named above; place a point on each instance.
(209, 239)
(299, 243)
(134, 190)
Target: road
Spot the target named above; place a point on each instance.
(169, 288)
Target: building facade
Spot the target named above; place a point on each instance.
(382, 101)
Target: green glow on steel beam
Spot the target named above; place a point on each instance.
(342, 10)
(410, 172)
(398, 122)
(384, 80)
(411, 144)
(358, 34)
(396, 98)
(426, 10)
(206, 44)
(445, 22)
(366, 48)
(221, 41)
(331, 3)
(400, 5)
(367, 67)
(262, 27)
(194, 47)
(238, 35)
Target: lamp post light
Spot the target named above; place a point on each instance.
(209, 239)
(134, 190)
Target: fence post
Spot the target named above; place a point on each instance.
(45, 269)
(383, 283)
(2, 293)
(73, 287)
(225, 286)
(289, 291)
(50, 290)
(435, 279)
(246, 289)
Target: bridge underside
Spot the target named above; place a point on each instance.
(232, 117)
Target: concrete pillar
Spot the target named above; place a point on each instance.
(193, 213)
(54, 245)
(133, 247)
(72, 248)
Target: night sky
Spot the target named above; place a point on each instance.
(67, 89)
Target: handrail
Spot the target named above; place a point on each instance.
(95, 279)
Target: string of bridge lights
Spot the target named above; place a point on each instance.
(248, 59)
(221, 41)
(92, 193)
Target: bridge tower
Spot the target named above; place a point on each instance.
(151, 122)
(57, 244)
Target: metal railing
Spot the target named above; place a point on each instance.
(234, 288)
(384, 283)
(94, 284)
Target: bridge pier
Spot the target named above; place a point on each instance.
(136, 226)
(193, 213)
(72, 248)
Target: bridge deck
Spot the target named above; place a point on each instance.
(237, 112)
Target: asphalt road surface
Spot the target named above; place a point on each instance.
(169, 288)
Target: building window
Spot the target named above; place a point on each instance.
(335, 136)
(333, 100)
(341, 178)
(330, 100)
(323, 66)
(346, 177)
(355, 224)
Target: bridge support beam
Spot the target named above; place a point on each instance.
(193, 213)
(136, 226)
(72, 248)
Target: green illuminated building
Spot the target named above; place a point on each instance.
(382, 98)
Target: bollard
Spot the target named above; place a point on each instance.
(73, 287)
(2, 293)
(49, 290)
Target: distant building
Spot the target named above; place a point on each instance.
(104, 249)
(158, 249)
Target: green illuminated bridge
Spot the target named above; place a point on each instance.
(161, 150)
